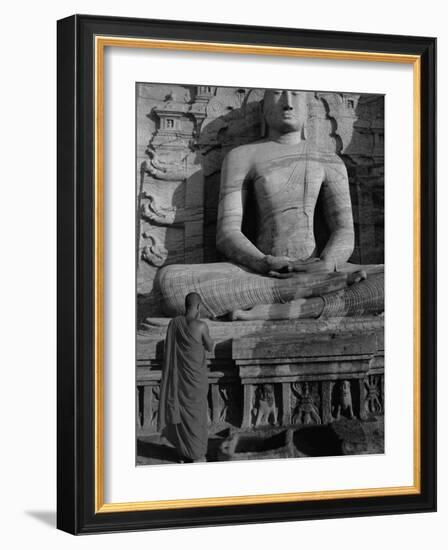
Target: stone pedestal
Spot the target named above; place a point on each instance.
(310, 380)
(277, 373)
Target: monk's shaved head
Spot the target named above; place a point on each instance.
(192, 301)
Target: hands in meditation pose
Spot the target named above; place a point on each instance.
(282, 274)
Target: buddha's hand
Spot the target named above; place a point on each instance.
(313, 265)
(277, 266)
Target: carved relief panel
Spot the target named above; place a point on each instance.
(306, 403)
(170, 183)
(265, 408)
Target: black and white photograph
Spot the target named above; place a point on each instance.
(222, 315)
(260, 273)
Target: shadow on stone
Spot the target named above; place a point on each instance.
(156, 450)
(317, 441)
(258, 444)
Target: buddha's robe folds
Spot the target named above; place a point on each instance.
(183, 392)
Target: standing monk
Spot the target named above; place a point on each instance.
(184, 386)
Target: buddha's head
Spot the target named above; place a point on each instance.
(285, 110)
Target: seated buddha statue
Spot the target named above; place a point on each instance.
(280, 274)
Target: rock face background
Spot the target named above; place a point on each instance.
(183, 135)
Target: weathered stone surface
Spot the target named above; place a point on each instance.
(344, 437)
(152, 334)
(295, 373)
(286, 176)
(291, 347)
(170, 184)
(262, 444)
(315, 376)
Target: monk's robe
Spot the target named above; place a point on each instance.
(183, 391)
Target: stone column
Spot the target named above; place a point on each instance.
(327, 415)
(286, 404)
(247, 405)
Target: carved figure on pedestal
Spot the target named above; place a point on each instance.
(266, 411)
(282, 274)
(306, 411)
(344, 404)
(372, 399)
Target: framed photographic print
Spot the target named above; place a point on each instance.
(246, 274)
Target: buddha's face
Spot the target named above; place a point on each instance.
(285, 110)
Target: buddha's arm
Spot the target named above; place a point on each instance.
(229, 238)
(338, 211)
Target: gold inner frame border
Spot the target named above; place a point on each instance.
(100, 43)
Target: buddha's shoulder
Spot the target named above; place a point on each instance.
(246, 151)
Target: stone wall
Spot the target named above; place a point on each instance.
(183, 134)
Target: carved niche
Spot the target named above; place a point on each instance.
(265, 410)
(373, 396)
(343, 403)
(306, 403)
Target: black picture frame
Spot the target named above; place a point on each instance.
(76, 512)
